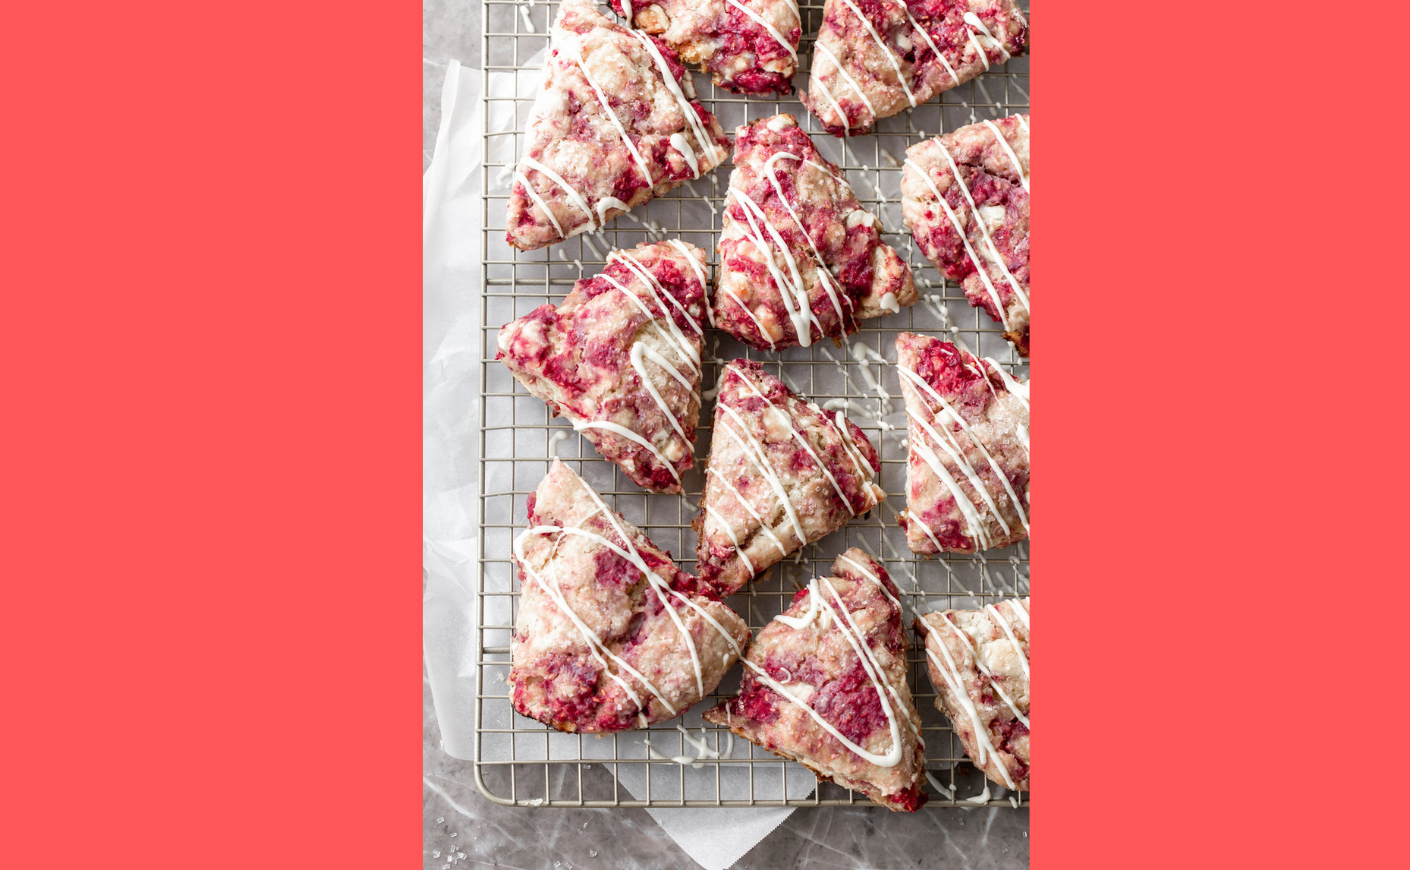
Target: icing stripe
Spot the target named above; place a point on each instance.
(761, 460)
(983, 226)
(959, 230)
(778, 37)
(885, 49)
(1008, 149)
(538, 201)
(557, 179)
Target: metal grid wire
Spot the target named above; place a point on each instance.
(518, 439)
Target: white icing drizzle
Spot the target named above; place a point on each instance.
(800, 312)
(948, 793)
(630, 436)
(973, 21)
(640, 349)
(657, 584)
(745, 308)
(951, 674)
(983, 226)
(571, 48)
(685, 252)
(761, 460)
(778, 37)
(869, 575)
(595, 643)
(928, 41)
(763, 526)
(960, 231)
(982, 797)
(889, 303)
(608, 202)
(952, 448)
(798, 436)
(553, 441)
(855, 452)
(1019, 391)
(894, 754)
(819, 85)
(1021, 609)
(573, 195)
(538, 201)
(824, 276)
(658, 292)
(973, 436)
(627, 12)
(687, 152)
(885, 49)
(848, 76)
(671, 333)
(671, 85)
(1022, 121)
(734, 539)
(974, 653)
(962, 501)
(1008, 149)
(1008, 632)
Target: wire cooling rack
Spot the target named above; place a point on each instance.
(522, 762)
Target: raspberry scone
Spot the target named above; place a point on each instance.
(874, 58)
(781, 473)
(979, 666)
(620, 358)
(825, 685)
(610, 635)
(616, 124)
(800, 258)
(965, 197)
(967, 468)
(747, 46)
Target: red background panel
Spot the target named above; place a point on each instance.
(1220, 424)
(211, 622)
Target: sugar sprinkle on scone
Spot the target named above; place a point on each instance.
(610, 634)
(965, 197)
(874, 58)
(978, 663)
(781, 473)
(620, 358)
(747, 46)
(616, 124)
(825, 685)
(800, 258)
(967, 466)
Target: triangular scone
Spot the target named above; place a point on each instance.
(988, 256)
(967, 469)
(620, 358)
(825, 685)
(747, 46)
(979, 666)
(781, 473)
(876, 58)
(616, 124)
(610, 634)
(779, 285)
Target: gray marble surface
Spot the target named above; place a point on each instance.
(464, 829)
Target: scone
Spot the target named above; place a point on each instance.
(967, 466)
(800, 258)
(781, 473)
(746, 46)
(610, 635)
(620, 358)
(825, 685)
(978, 661)
(616, 124)
(965, 197)
(874, 58)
